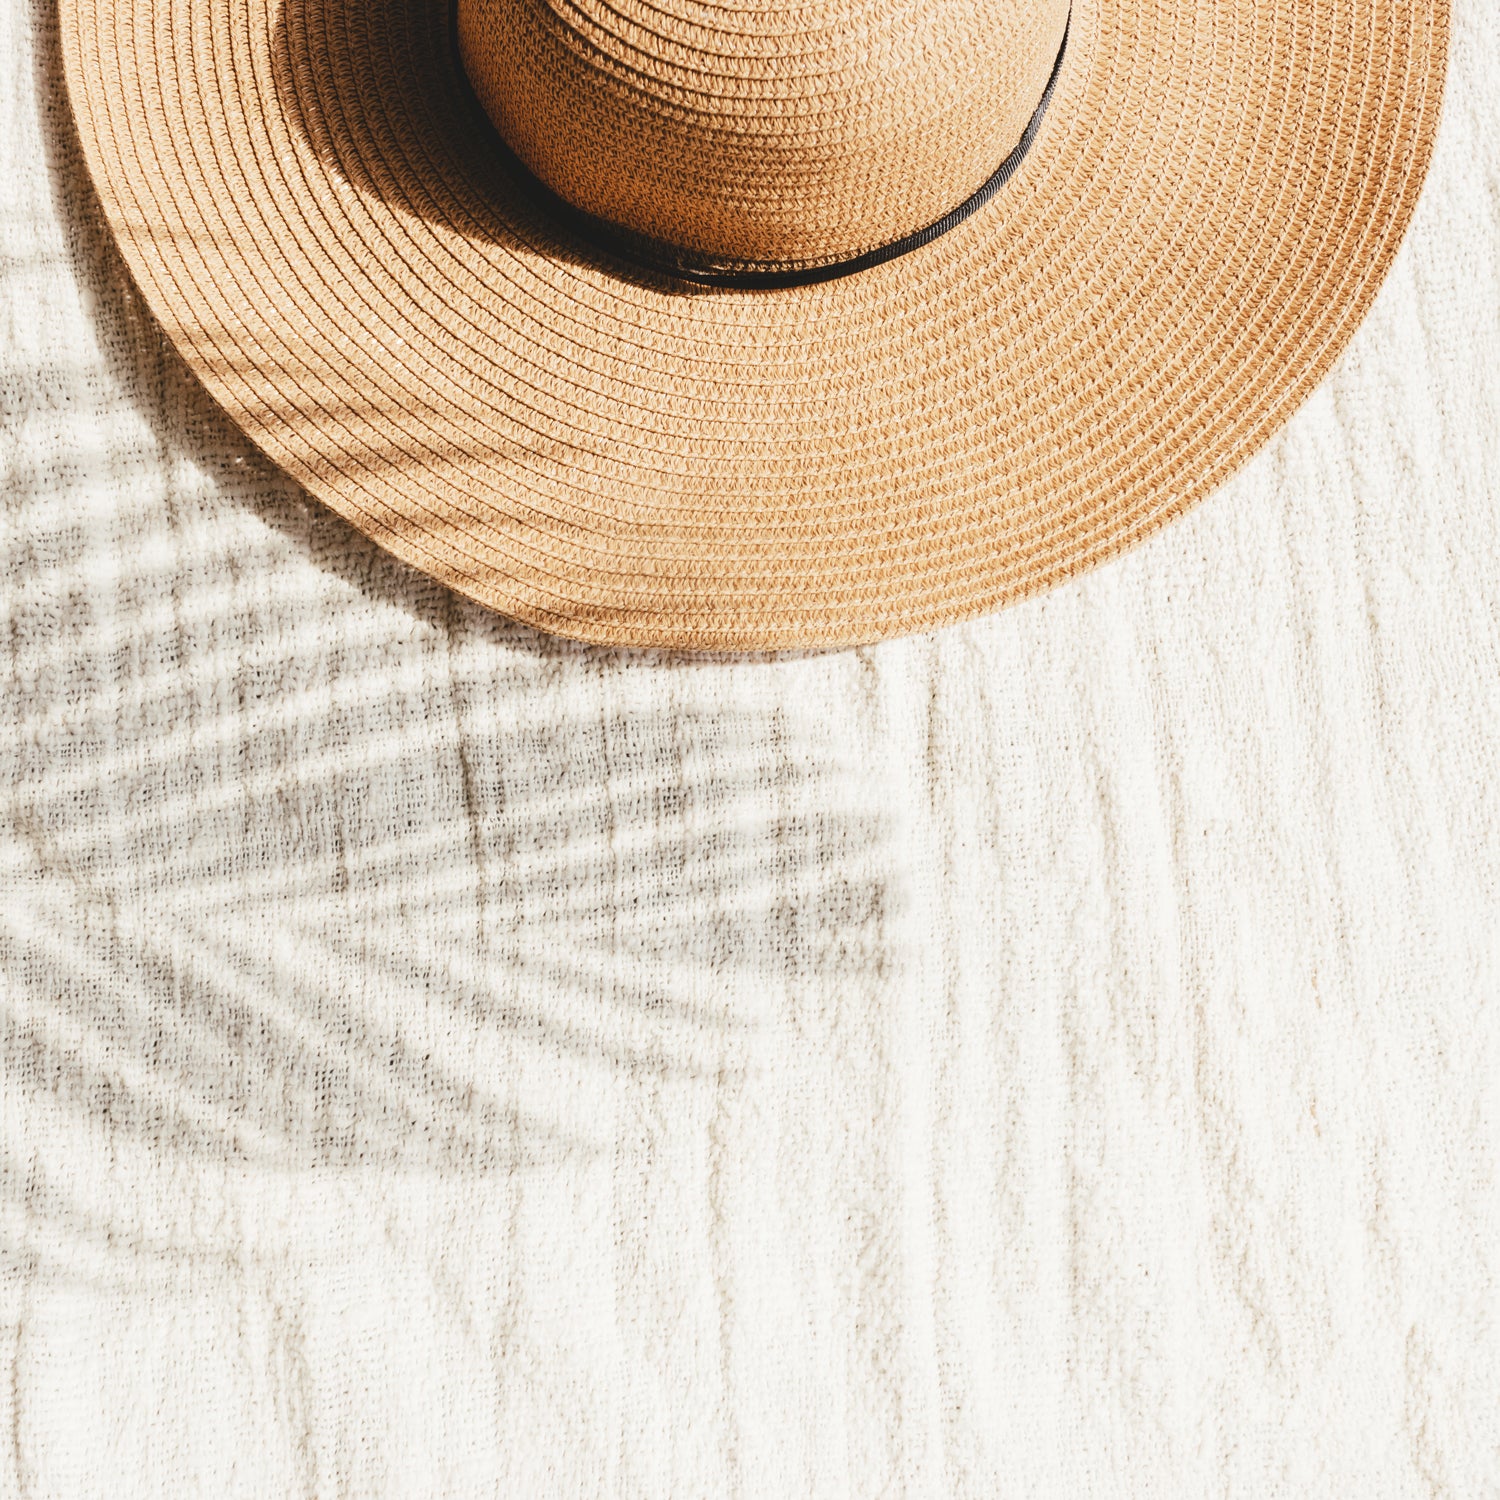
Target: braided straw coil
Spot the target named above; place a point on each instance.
(791, 134)
(315, 205)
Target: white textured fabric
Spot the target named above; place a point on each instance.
(1056, 1057)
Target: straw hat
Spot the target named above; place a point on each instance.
(721, 324)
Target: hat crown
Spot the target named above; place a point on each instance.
(787, 134)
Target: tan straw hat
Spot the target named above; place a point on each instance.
(721, 324)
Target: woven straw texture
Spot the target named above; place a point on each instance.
(1056, 1057)
(1213, 199)
(789, 133)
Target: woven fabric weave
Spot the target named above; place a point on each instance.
(1056, 1057)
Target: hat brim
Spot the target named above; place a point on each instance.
(309, 207)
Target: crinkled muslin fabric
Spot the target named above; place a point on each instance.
(1057, 1056)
